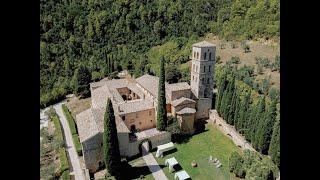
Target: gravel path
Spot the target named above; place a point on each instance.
(157, 172)
(77, 170)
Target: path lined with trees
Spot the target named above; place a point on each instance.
(74, 159)
(253, 113)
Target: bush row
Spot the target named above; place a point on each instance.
(64, 164)
(73, 129)
(58, 128)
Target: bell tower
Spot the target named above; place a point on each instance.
(202, 69)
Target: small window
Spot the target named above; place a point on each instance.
(208, 81)
(197, 55)
(123, 118)
(205, 55)
(210, 56)
(151, 120)
(140, 123)
(209, 68)
(204, 68)
(101, 144)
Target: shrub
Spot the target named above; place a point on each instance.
(63, 160)
(246, 47)
(77, 144)
(233, 45)
(174, 128)
(235, 60)
(70, 119)
(65, 175)
(218, 60)
(73, 129)
(58, 130)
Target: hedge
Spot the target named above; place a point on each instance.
(73, 129)
(77, 144)
(70, 120)
(58, 128)
(65, 175)
(64, 165)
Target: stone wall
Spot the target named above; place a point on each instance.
(93, 152)
(186, 122)
(178, 94)
(133, 147)
(142, 119)
(203, 108)
(179, 107)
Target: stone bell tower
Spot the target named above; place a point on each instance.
(202, 71)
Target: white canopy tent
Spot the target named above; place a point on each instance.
(182, 175)
(163, 148)
(171, 163)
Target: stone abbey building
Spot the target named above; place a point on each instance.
(135, 106)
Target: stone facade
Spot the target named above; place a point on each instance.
(135, 106)
(202, 69)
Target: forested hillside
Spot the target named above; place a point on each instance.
(105, 36)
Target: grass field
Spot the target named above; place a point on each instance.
(199, 148)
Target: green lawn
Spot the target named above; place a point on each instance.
(199, 147)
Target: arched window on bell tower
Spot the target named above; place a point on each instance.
(197, 55)
(210, 56)
(205, 55)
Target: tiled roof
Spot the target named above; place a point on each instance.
(178, 86)
(186, 110)
(181, 100)
(203, 44)
(86, 125)
(135, 106)
(150, 83)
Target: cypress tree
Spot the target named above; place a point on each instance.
(265, 129)
(243, 111)
(236, 111)
(222, 86)
(232, 109)
(274, 148)
(161, 109)
(257, 122)
(110, 139)
(229, 109)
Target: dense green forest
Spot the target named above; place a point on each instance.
(106, 36)
(254, 113)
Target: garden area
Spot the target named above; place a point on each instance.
(199, 148)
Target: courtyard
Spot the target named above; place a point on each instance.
(198, 148)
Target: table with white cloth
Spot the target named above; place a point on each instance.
(181, 175)
(171, 162)
(163, 148)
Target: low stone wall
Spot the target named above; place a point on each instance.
(159, 139)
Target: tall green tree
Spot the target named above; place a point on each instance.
(243, 111)
(274, 148)
(82, 78)
(256, 121)
(161, 109)
(110, 141)
(265, 129)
